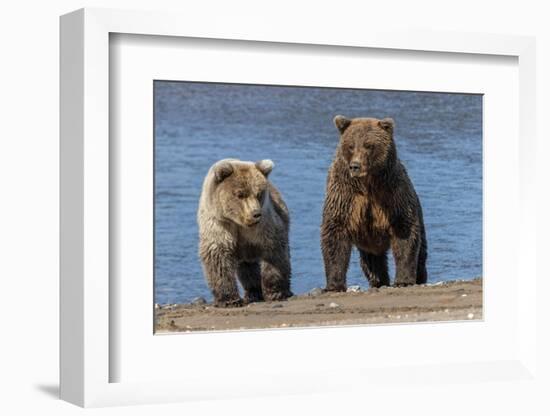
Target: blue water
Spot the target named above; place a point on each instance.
(438, 136)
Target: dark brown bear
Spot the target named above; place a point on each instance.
(371, 204)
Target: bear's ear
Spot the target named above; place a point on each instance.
(265, 166)
(341, 123)
(387, 124)
(222, 171)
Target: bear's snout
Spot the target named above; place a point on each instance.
(354, 168)
(255, 217)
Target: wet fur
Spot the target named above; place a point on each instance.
(258, 256)
(374, 211)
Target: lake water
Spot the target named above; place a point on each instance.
(438, 137)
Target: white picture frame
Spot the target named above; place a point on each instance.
(86, 311)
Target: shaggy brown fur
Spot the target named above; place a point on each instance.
(243, 229)
(371, 204)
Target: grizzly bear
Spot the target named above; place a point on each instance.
(370, 203)
(243, 232)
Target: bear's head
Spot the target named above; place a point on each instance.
(366, 144)
(240, 190)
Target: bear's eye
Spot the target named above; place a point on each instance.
(260, 195)
(369, 146)
(240, 194)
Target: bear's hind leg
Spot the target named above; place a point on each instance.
(375, 268)
(421, 272)
(405, 253)
(251, 280)
(276, 278)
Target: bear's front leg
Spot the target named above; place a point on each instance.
(336, 248)
(220, 268)
(275, 273)
(405, 253)
(251, 280)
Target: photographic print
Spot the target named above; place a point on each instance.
(290, 206)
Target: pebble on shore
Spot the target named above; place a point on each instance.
(198, 301)
(315, 291)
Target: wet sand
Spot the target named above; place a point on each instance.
(444, 301)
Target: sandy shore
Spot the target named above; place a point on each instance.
(449, 301)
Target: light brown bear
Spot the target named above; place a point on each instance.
(243, 231)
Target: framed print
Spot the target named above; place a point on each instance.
(307, 203)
